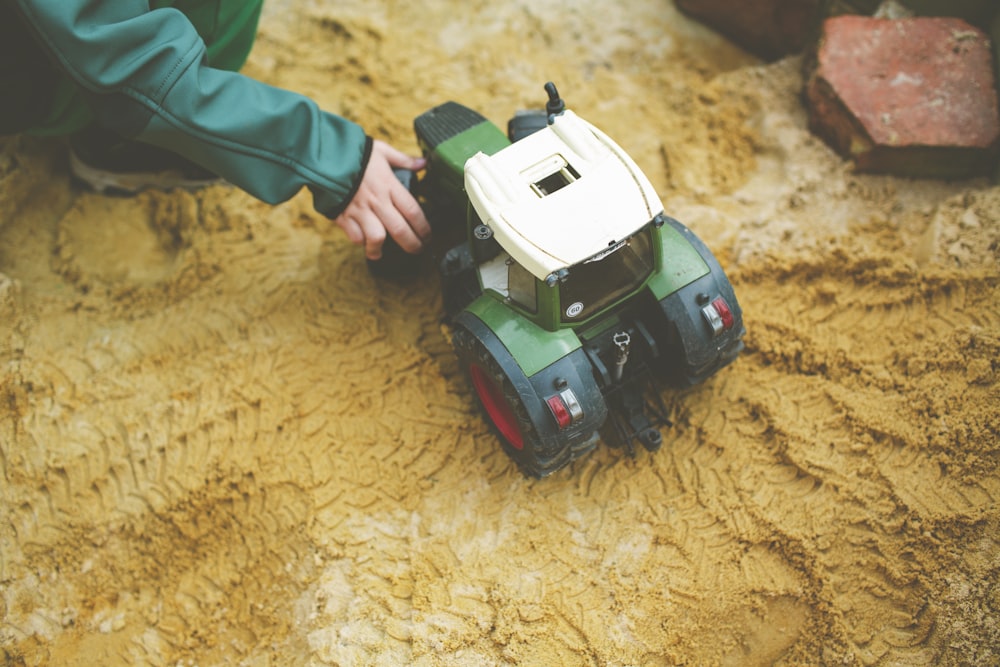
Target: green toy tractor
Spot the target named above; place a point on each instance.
(570, 294)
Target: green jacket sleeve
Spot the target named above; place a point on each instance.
(145, 75)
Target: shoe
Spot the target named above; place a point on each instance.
(107, 163)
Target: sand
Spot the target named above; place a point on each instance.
(223, 443)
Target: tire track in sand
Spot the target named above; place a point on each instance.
(131, 460)
(834, 461)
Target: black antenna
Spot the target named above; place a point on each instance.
(555, 105)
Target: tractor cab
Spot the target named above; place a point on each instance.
(562, 222)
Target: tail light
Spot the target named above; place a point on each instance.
(718, 315)
(565, 408)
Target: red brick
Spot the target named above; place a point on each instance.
(911, 96)
(767, 28)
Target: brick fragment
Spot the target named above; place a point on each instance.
(912, 96)
(769, 29)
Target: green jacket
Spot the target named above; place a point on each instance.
(145, 75)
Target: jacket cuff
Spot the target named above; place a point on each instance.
(357, 182)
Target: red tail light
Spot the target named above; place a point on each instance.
(559, 411)
(719, 316)
(565, 408)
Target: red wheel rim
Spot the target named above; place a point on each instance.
(496, 406)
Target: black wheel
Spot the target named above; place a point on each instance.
(525, 123)
(396, 263)
(703, 323)
(505, 406)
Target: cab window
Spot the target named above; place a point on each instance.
(522, 286)
(607, 277)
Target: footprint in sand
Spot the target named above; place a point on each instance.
(122, 241)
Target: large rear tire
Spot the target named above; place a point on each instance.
(692, 351)
(496, 386)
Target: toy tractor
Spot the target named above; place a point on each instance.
(571, 296)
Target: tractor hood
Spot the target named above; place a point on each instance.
(560, 195)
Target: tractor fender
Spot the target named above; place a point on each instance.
(532, 347)
(570, 371)
(698, 353)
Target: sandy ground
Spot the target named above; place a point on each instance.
(223, 443)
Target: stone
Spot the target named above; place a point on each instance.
(769, 29)
(914, 97)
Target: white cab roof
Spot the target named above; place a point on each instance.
(560, 195)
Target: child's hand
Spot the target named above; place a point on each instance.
(382, 205)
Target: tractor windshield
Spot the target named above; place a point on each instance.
(606, 277)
